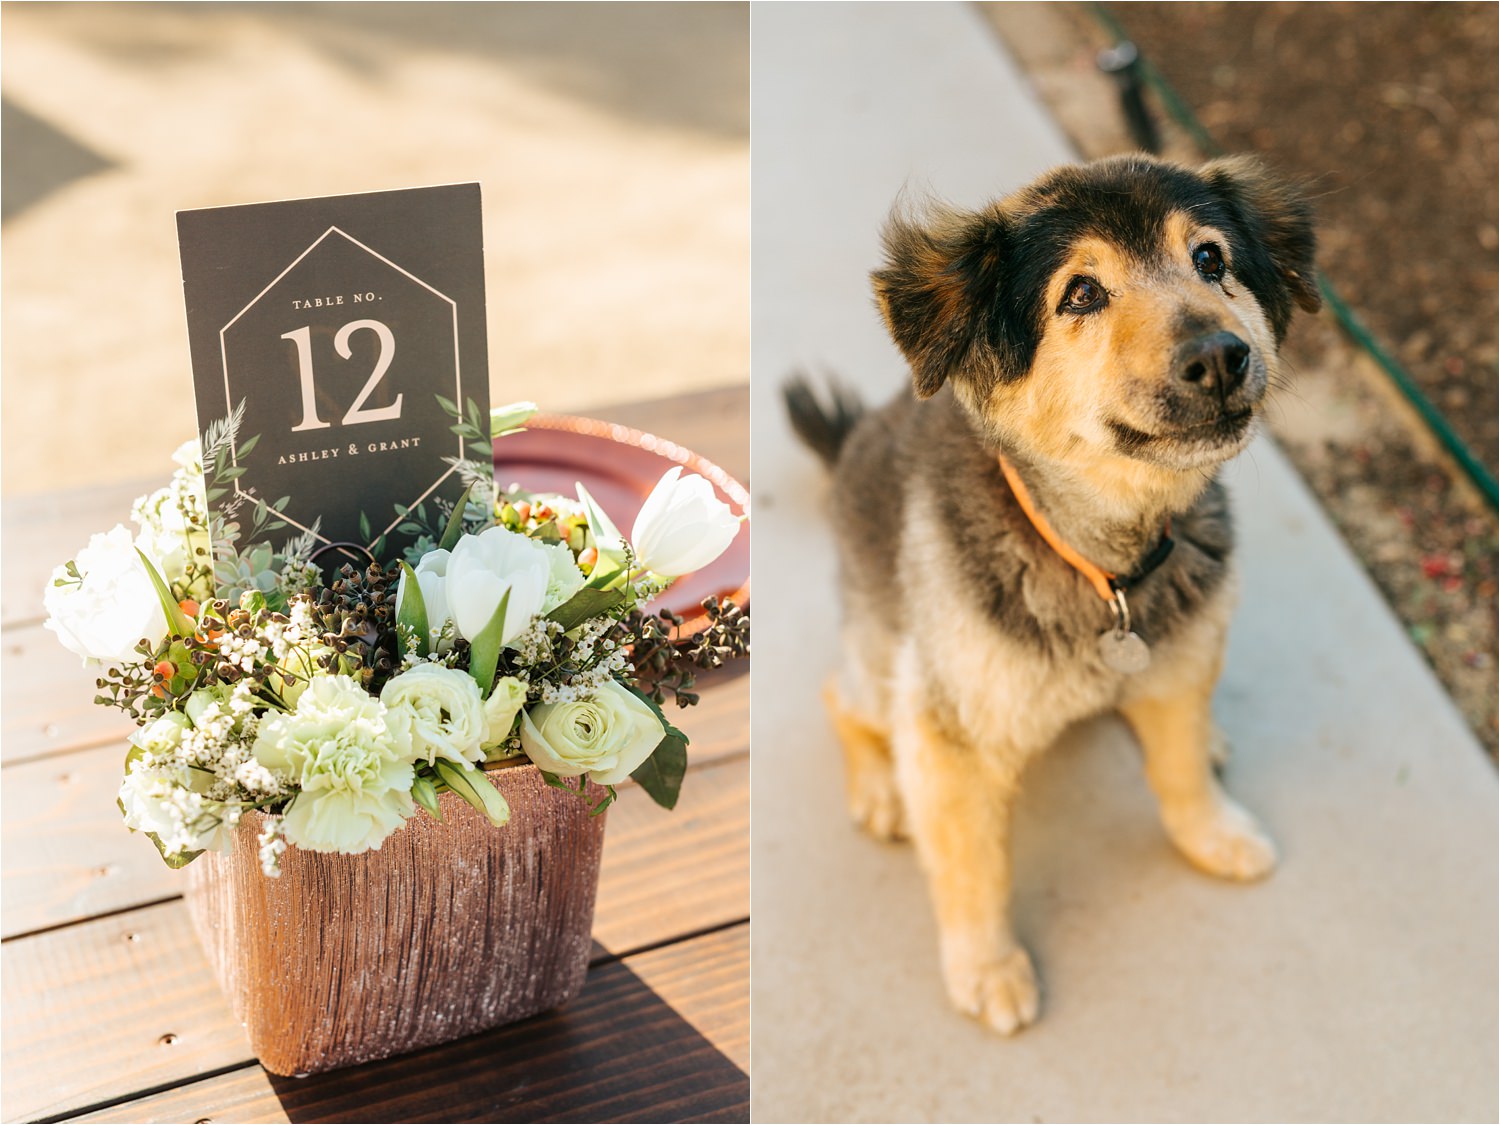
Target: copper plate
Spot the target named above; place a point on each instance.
(620, 466)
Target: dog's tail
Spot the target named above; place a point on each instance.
(823, 429)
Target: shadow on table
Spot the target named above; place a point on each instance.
(617, 1053)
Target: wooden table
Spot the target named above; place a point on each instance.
(111, 1014)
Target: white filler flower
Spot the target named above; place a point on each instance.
(352, 758)
(606, 737)
(683, 526)
(104, 612)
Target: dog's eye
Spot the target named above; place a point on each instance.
(1208, 259)
(1084, 295)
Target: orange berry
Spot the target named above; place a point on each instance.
(188, 606)
(523, 510)
(588, 556)
(166, 669)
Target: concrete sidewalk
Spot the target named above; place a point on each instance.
(1357, 984)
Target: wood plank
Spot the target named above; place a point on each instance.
(92, 984)
(46, 699)
(111, 1006)
(67, 857)
(657, 1037)
(44, 530)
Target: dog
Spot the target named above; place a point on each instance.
(1036, 534)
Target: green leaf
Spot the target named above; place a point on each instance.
(455, 529)
(411, 613)
(607, 540)
(481, 794)
(608, 799)
(484, 650)
(364, 526)
(449, 406)
(661, 774)
(177, 621)
(584, 605)
(176, 861)
(504, 419)
(424, 792)
(248, 445)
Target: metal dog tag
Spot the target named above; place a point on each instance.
(1122, 649)
(1124, 652)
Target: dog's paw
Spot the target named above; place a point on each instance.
(1222, 839)
(1002, 994)
(875, 804)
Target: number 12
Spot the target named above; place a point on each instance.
(357, 413)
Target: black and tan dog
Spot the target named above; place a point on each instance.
(1037, 535)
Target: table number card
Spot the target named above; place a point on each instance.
(338, 353)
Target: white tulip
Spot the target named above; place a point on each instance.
(483, 568)
(432, 580)
(111, 606)
(682, 527)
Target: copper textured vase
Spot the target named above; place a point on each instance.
(450, 928)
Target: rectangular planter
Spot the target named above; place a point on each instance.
(449, 929)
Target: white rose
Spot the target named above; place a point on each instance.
(432, 580)
(446, 712)
(483, 568)
(501, 708)
(683, 526)
(606, 737)
(103, 614)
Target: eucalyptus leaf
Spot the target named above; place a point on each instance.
(411, 613)
(484, 650)
(475, 788)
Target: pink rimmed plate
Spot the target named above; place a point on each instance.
(620, 466)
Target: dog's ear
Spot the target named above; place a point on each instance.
(1276, 217)
(938, 293)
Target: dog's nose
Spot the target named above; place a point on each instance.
(1216, 363)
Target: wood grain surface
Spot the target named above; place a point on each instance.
(111, 1011)
(620, 1052)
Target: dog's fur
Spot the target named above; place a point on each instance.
(969, 644)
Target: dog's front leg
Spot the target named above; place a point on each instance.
(958, 813)
(1179, 739)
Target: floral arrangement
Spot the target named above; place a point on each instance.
(516, 629)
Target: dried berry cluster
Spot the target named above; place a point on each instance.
(355, 616)
(665, 660)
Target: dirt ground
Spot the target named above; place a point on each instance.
(1388, 111)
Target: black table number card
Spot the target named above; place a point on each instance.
(338, 352)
